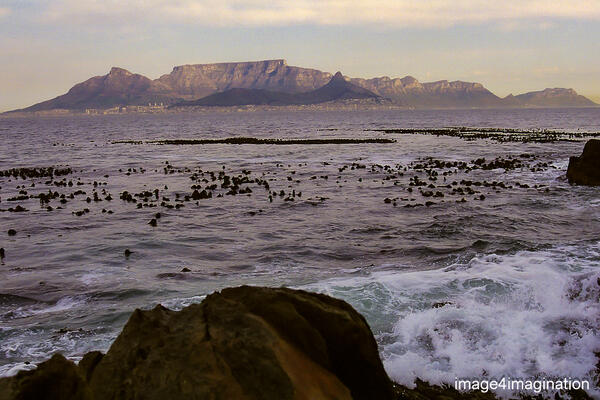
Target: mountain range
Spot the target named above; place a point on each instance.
(273, 82)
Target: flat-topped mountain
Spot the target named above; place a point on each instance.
(192, 82)
(337, 89)
(269, 81)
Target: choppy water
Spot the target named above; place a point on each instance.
(519, 269)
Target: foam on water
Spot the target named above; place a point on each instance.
(35, 344)
(533, 314)
(179, 303)
(63, 304)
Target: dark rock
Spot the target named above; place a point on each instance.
(55, 379)
(89, 362)
(257, 343)
(241, 343)
(585, 169)
(170, 275)
(12, 232)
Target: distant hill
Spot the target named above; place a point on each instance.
(556, 97)
(267, 82)
(336, 89)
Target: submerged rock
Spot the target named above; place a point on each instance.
(585, 169)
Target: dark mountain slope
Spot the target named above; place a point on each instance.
(335, 90)
(240, 97)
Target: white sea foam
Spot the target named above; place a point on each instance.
(12, 369)
(90, 278)
(63, 304)
(182, 302)
(36, 345)
(526, 315)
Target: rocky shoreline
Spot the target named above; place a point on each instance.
(240, 343)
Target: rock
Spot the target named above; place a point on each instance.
(246, 343)
(55, 379)
(89, 362)
(441, 304)
(241, 343)
(585, 169)
(12, 232)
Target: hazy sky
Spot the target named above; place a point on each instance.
(510, 46)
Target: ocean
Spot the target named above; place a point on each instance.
(463, 267)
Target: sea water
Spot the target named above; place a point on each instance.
(501, 287)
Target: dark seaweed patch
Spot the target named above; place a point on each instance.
(250, 140)
(497, 134)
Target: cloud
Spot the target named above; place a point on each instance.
(514, 25)
(4, 11)
(390, 13)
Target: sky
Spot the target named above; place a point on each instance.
(510, 46)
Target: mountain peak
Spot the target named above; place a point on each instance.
(338, 77)
(119, 71)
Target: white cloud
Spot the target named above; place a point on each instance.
(391, 13)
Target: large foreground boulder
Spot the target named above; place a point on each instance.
(585, 169)
(241, 343)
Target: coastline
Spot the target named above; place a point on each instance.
(144, 110)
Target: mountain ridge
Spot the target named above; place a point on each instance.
(337, 89)
(192, 82)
